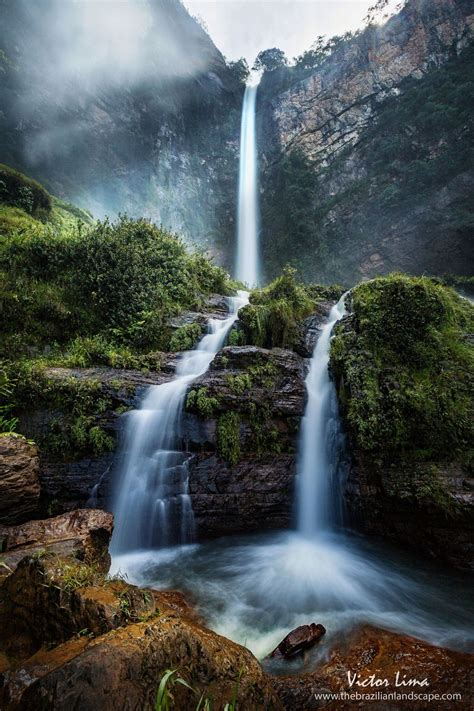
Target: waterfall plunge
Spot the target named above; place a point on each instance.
(320, 435)
(247, 220)
(152, 507)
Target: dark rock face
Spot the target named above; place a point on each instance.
(156, 136)
(253, 495)
(256, 492)
(427, 507)
(375, 651)
(298, 640)
(85, 533)
(19, 480)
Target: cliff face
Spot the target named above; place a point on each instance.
(365, 145)
(135, 113)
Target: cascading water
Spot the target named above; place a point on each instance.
(152, 506)
(254, 589)
(320, 439)
(247, 219)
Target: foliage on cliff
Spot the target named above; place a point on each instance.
(404, 367)
(271, 318)
(66, 278)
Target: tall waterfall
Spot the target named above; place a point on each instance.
(152, 506)
(247, 219)
(318, 460)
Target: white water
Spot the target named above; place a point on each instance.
(247, 269)
(152, 505)
(320, 439)
(255, 589)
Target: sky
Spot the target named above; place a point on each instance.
(241, 28)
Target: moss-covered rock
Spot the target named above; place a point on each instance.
(403, 361)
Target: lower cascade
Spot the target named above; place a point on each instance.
(320, 435)
(152, 506)
(255, 588)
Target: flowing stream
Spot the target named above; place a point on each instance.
(247, 269)
(152, 506)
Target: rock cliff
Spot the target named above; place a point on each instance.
(363, 142)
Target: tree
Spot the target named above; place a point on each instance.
(239, 69)
(270, 59)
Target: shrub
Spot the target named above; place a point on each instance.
(186, 337)
(23, 192)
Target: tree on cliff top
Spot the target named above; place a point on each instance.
(270, 59)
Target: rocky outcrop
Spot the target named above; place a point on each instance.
(387, 656)
(84, 534)
(401, 501)
(19, 479)
(129, 663)
(241, 425)
(71, 636)
(345, 136)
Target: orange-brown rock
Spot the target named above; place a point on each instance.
(48, 599)
(19, 480)
(122, 670)
(371, 654)
(84, 533)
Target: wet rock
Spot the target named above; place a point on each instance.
(265, 390)
(253, 495)
(84, 533)
(385, 655)
(309, 330)
(51, 597)
(428, 507)
(19, 480)
(299, 640)
(128, 663)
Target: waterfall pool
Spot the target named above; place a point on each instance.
(255, 589)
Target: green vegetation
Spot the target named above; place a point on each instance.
(185, 337)
(405, 370)
(24, 193)
(271, 318)
(228, 437)
(78, 293)
(199, 400)
(78, 406)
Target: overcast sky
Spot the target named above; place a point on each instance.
(244, 27)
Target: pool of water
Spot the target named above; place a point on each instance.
(255, 589)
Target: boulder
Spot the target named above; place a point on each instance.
(122, 669)
(49, 598)
(84, 533)
(19, 480)
(299, 640)
(385, 655)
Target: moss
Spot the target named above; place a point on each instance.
(239, 383)
(228, 437)
(185, 337)
(264, 434)
(405, 370)
(199, 400)
(79, 406)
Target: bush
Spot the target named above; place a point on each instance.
(270, 319)
(23, 192)
(186, 337)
